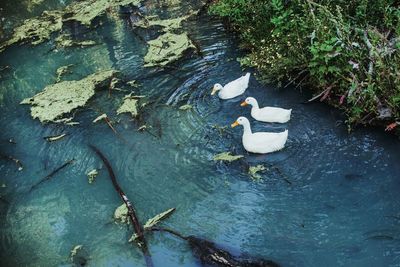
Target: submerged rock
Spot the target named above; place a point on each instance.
(36, 30)
(166, 24)
(62, 98)
(167, 48)
(61, 71)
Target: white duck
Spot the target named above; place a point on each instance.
(261, 142)
(267, 114)
(233, 88)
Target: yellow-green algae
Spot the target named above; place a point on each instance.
(185, 107)
(61, 98)
(85, 11)
(38, 29)
(167, 48)
(65, 40)
(92, 175)
(121, 214)
(130, 105)
(227, 156)
(167, 24)
(61, 71)
(74, 251)
(253, 171)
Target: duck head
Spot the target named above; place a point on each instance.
(249, 101)
(216, 88)
(240, 121)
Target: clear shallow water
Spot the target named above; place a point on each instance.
(339, 210)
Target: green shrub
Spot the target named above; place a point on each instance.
(346, 51)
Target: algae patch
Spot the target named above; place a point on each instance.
(227, 156)
(38, 29)
(254, 170)
(130, 105)
(65, 40)
(62, 98)
(85, 11)
(121, 214)
(167, 48)
(186, 107)
(61, 71)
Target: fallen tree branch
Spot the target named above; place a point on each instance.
(17, 161)
(52, 174)
(131, 210)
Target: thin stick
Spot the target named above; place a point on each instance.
(159, 229)
(131, 210)
(52, 173)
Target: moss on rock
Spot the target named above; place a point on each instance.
(62, 98)
(121, 214)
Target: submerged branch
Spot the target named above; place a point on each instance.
(48, 177)
(131, 211)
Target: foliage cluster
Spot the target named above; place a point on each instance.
(347, 51)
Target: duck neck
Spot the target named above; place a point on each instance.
(255, 106)
(246, 129)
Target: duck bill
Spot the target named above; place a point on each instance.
(213, 91)
(243, 104)
(233, 125)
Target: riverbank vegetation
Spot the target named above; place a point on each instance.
(347, 52)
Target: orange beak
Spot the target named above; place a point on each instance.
(244, 103)
(234, 124)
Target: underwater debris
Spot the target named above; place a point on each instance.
(140, 240)
(158, 218)
(101, 117)
(166, 24)
(17, 161)
(62, 98)
(227, 156)
(54, 137)
(92, 175)
(253, 171)
(62, 71)
(48, 177)
(130, 105)
(65, 40)
(121, 214)
(36, 30)
(132, 83)
(186, 107)
(210, 254)
(79, 256)
(167, 48)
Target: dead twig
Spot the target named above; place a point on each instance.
(131, 210)
(48, 177)
(17, 161)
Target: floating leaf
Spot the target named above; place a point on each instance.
(92, 175)
(186, 107)
(159, 217)
(101, 117)
(253, 171)
(227, 156)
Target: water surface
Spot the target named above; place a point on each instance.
(329, 199)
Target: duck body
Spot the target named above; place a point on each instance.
(271, 114)
(233, 88)
(261, 142)
(267, 114)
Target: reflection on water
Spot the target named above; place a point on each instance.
(330, 198)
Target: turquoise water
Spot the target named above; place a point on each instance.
(330, 198)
